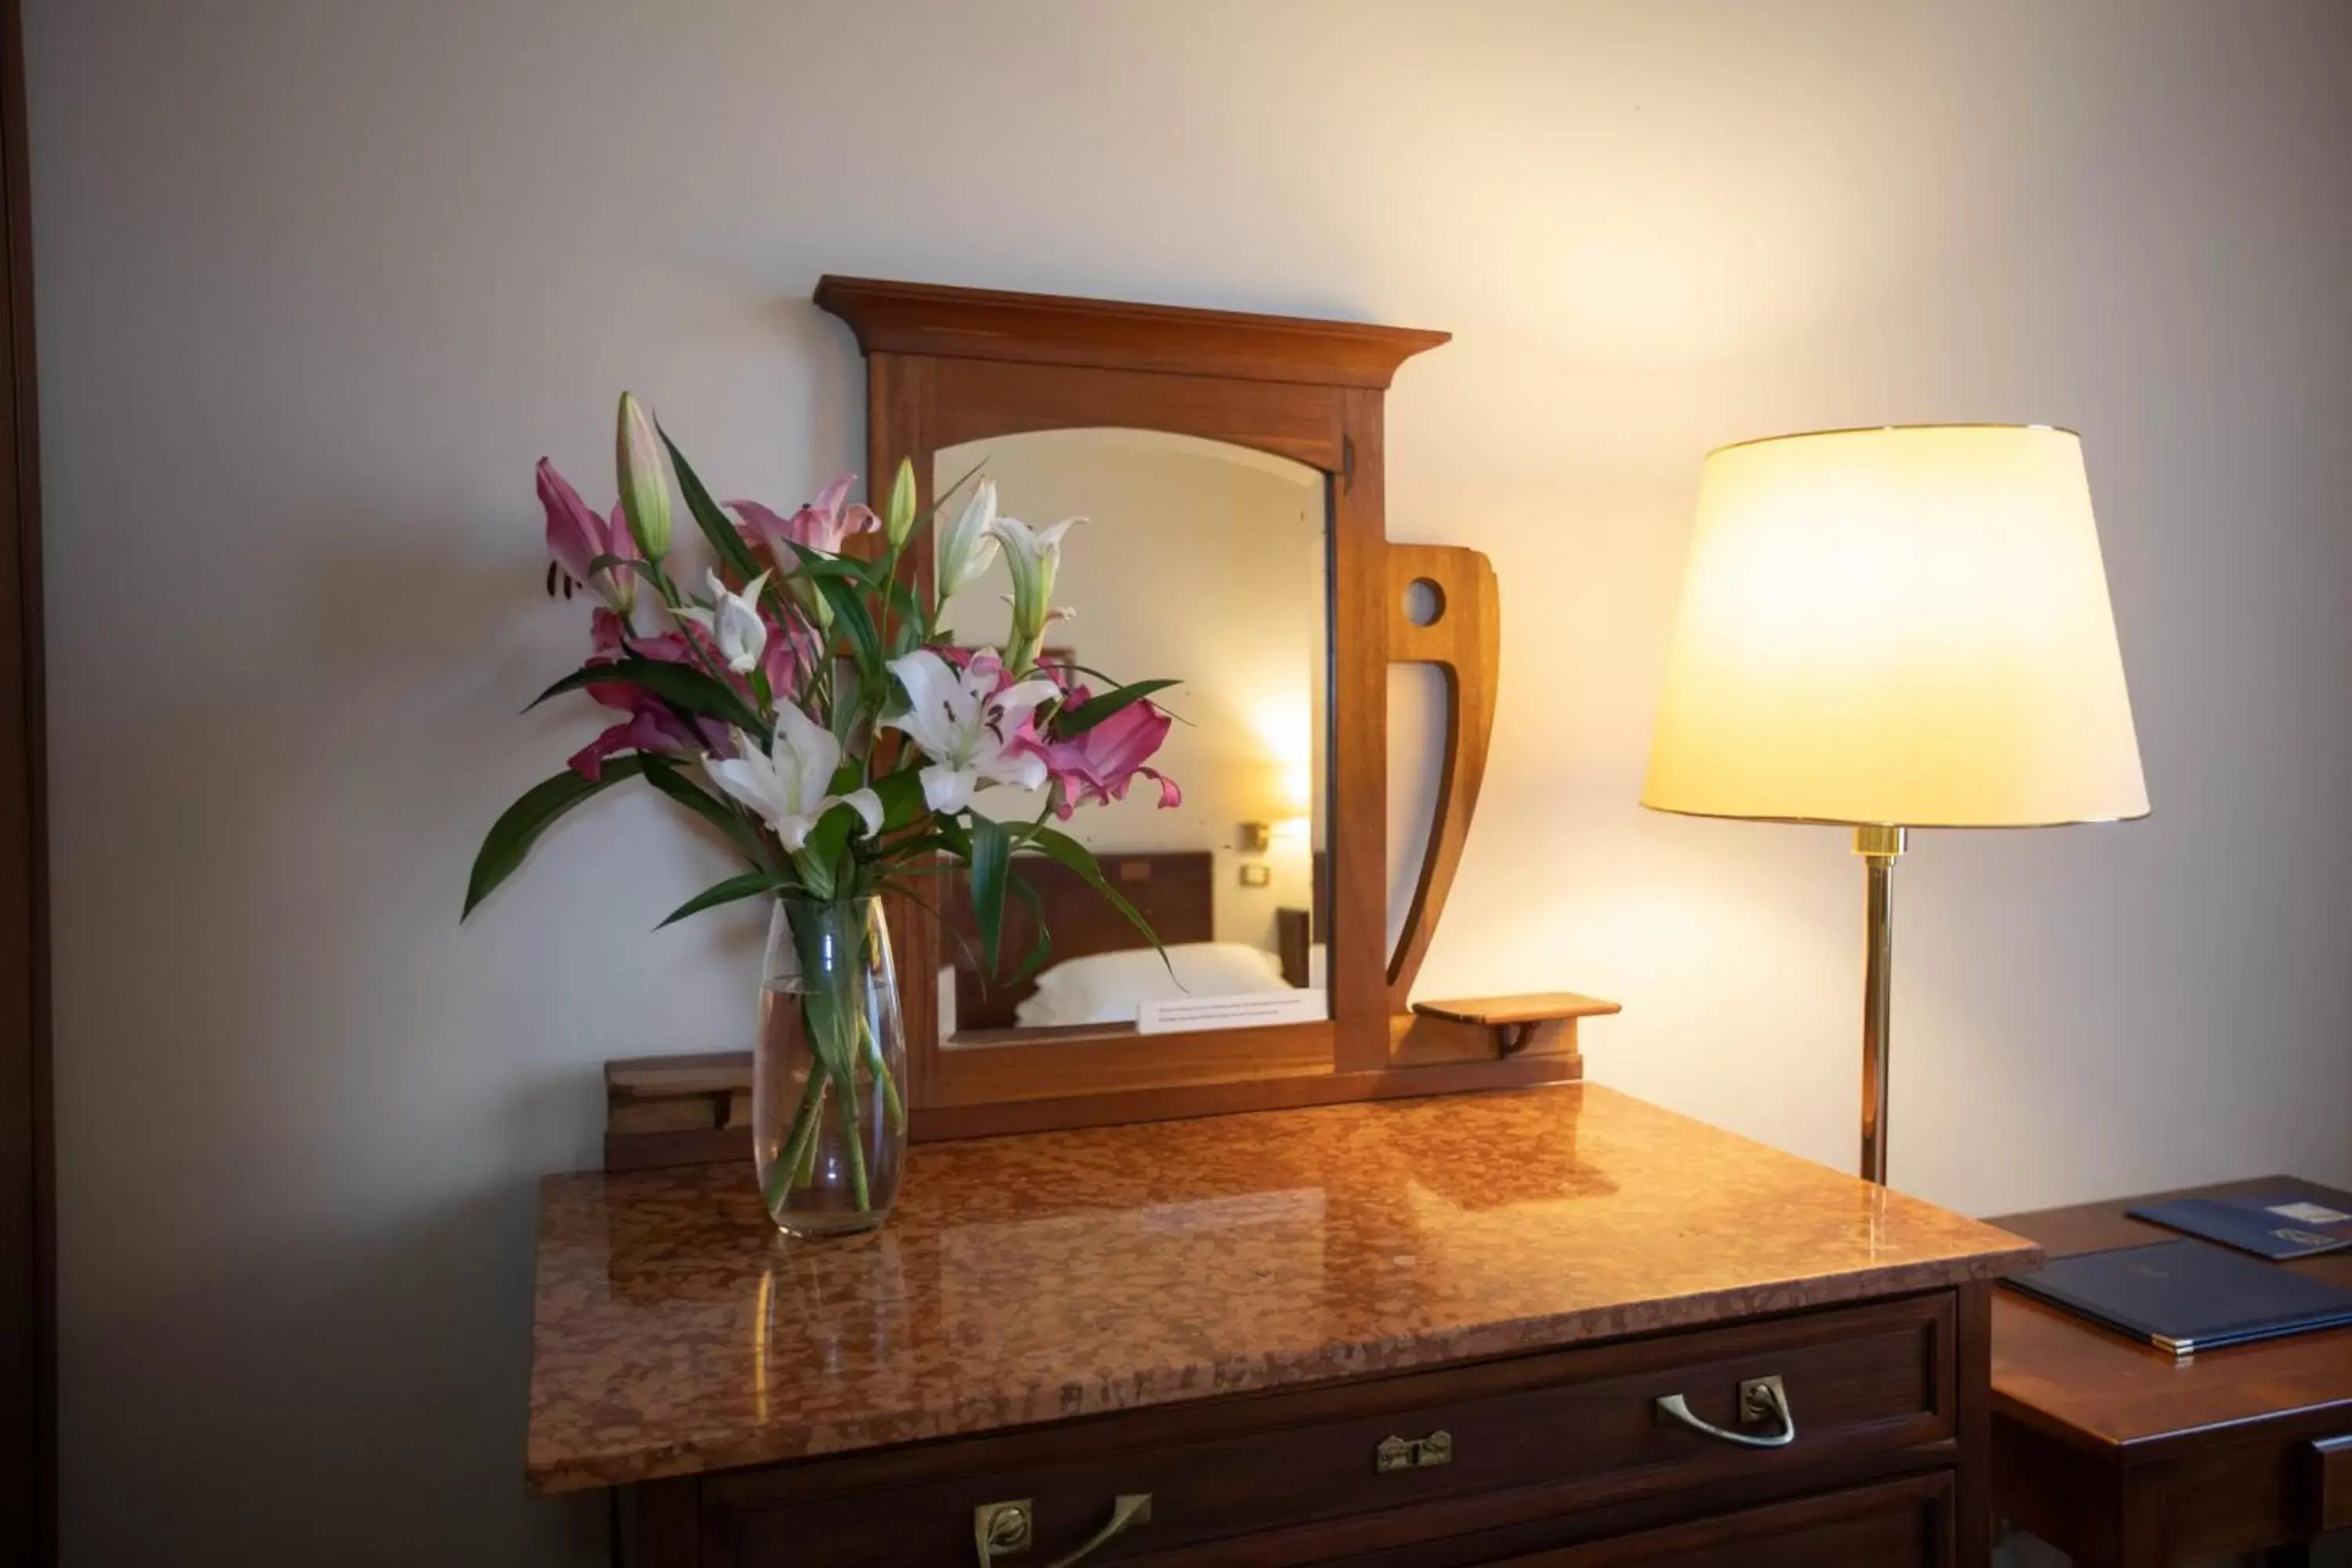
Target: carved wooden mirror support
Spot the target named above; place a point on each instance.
(950, 366)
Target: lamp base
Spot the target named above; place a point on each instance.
(1879, 846)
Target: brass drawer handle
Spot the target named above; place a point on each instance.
(1001, 1528)
(1414, 1454)
(1759, 1397)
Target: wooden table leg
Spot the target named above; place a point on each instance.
(1973, 1342)
(657, 1524)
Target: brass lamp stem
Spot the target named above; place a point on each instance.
(1878, 846)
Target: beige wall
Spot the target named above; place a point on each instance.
(318, 281)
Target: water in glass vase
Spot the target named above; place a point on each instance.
(829, 1120)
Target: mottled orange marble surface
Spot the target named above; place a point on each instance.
(1024, 1279)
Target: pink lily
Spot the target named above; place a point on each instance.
(651, 725)
(792, 653)
(1098, 764)
(823, 525)
(576, 536)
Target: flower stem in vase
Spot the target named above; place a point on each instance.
(799, 1148)
(848, 1080)
(804, 1167)
(881, 1069)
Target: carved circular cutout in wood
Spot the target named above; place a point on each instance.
(1424, 602)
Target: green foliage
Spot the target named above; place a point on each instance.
(511, 836)
(726, 543)
(842, 596)
(746, 885)
(1094, 709)
(992, 858)
(680, 685)
(1061, 846)
(732, 825)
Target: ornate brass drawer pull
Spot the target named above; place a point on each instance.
(1001, 1528)
(1759, 1397)
(1414, 1454)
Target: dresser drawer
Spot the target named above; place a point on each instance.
(1901, 1524)
(1466, 1448)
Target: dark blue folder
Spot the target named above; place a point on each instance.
(2280, 1225)
(2187, 1295)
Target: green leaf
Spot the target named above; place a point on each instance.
(663, 776)
(831, 836)
(848, 709)
(1094, 709)
(679, 685)
(941, 500)
(849, 615)
(845, 568)
(911, 849)
(952, 834)
(907, 891)
(992, 857)
(726, 543)
(1043, 948)
(1061, 846)
(902, 799)
(519, 827)
(636, 563)
(748, 885)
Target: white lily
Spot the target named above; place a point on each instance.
(965, 724)
(1032, 555)
(966, 545)
(733, 622)
(788, 784)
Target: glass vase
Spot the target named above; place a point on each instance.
(829, 1119)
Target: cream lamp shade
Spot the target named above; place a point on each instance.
(1906, 626)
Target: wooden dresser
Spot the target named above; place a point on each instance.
(1431, 1331)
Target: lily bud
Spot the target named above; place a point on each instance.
(899, 519)
(644, 478)
(1034, 555)
(966, 545)
(734, 622)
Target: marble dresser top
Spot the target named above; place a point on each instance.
(1024, 1280)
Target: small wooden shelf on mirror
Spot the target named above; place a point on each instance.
(1538, 1020)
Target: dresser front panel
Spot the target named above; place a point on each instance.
(1520, 1439)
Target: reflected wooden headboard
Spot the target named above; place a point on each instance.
(1174, 892)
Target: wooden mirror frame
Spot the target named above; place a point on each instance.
(946, 366)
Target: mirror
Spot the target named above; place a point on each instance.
(1209, 564)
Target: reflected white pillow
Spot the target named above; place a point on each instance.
(1319, 968)
(1111, 987)
(947, 995)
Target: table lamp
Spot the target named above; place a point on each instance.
(1896, 628)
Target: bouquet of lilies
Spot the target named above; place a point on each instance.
(802, 702)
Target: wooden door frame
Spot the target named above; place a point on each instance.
(27, 1203)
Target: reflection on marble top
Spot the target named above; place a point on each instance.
(1024, 1280)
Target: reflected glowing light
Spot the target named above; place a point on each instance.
(1286, 732)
